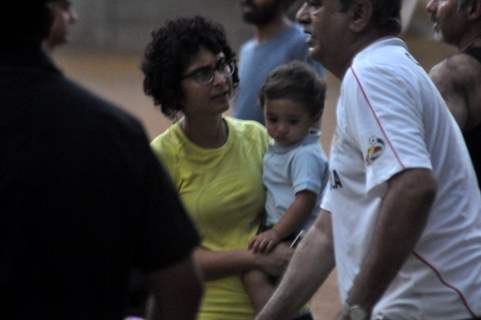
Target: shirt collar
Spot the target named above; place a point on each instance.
(380, 43)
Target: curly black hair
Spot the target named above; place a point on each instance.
(170, 52)
(296, 81)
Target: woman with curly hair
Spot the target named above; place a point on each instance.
(214, 161)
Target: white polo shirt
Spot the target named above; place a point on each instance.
(390, 117)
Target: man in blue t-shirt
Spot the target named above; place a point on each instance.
(276, 41)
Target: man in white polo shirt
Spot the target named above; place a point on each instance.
(402, 217)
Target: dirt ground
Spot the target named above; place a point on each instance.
(117, 77)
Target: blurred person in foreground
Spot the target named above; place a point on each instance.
(458, 77)
(401, 219)
(83, 199)
(64, 17)
(277, 40)
(214, 161)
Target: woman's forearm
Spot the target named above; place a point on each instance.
(219, 264)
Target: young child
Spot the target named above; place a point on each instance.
(295, 169)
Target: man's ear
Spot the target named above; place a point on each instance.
(361, 12)
(473, 10)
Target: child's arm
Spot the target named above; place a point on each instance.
(295, 217)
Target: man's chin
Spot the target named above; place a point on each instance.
(258, 17)
(255, 20)
(313, 53)
(249, 16)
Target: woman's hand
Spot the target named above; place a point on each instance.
(275, 262)
(265, 241)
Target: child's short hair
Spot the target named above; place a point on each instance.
(295, 81)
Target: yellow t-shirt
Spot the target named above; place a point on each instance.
(222, 191)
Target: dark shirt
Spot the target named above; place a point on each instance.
(82, 198)
(475, 52)
(472, 136)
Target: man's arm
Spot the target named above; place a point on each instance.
(402, 218)
(445, 76)
(312, 262)
(176, 291)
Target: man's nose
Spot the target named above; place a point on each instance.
(73, 17)
(302, 14)
(431, 6)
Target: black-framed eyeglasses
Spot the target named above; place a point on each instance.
(205, 75)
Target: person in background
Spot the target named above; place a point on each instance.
(214, 161)
(401, 217)
(64, 17)
(276, 41)
(295, 167)
(83, 199)
(458, 77)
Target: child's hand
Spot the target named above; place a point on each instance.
(265, 241)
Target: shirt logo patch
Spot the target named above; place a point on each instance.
(375, 149)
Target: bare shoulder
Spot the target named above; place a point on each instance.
(457, 70)
(458, 79)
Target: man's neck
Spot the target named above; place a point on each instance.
(470, 39)
(471, 36)
(266, 32)
(355, 46)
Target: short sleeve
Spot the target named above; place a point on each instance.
(386, 122)
(307, 171)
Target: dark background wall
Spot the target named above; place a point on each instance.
(126, 24)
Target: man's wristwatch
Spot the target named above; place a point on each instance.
(354, 312)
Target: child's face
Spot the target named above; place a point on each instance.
(287, 121)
